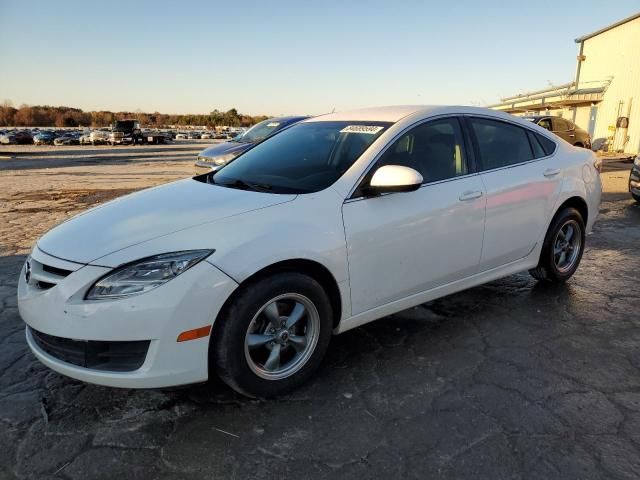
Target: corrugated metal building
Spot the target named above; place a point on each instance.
(605, 91)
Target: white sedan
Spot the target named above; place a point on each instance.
(334, 222)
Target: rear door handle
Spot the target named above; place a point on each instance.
(551, 172)
(466, 196)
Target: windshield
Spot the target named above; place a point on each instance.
(259, 131)
(124, 126)
(305, 158)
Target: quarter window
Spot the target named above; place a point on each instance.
(547, 145)
(501, 144)
(538, 151)
(435, 149)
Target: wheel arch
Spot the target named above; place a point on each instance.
(578, 203)
(314, 269)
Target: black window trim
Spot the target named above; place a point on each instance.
(477, 149)
(469, 156)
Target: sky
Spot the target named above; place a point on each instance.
(288, 57)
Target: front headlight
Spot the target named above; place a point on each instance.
(144, 275)
(223, 159)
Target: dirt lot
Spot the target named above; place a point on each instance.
(508, 380)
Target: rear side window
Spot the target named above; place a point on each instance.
(501, 144)
(560, 125)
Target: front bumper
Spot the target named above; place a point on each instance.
(54, 305)
(634, 180)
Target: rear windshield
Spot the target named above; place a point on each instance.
(304, 158)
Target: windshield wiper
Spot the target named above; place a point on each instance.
(242, 185)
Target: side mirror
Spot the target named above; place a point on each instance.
(395, 178)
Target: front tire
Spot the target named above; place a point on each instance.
(273, 335)
(562, 248)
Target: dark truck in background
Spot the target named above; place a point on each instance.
(126, 132)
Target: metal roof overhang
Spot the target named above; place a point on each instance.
(575, 98)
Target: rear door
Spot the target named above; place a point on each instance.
(522, 179)
(401, 244)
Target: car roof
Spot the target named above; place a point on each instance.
(378, 114)
(290, 119)
(396, 113)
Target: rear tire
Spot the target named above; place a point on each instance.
(562, 248)
(636, 197)
(259, 348)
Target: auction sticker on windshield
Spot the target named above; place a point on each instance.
(370, 129)
(273, 124)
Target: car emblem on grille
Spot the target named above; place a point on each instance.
(27, 271)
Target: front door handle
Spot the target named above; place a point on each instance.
(469, 195)
(551, 172)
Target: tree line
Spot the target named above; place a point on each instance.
(48, 116)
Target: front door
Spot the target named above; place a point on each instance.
(401, 244)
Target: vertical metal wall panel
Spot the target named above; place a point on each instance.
(615, 54)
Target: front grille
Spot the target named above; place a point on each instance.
(55, 270)
(114, 356)
(43, 276)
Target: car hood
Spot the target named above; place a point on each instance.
(224, 149)
(149, 214)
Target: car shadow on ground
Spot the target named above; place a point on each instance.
(431, 324)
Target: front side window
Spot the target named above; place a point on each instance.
(546, 124)
(304, 158)
(435, 149)
(500, 144)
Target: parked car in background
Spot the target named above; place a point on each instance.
(206, 136)
(222, 153)
(634, 179)
(124, 132)
(332, 223)
(181, 136)
(45, 137)
(99, 137)
(565, 129)
(71, 138)
(85, 138)
(21, 137)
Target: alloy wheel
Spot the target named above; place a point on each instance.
(567, 245)
(282, 336)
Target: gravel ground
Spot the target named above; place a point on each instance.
(508, 380)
